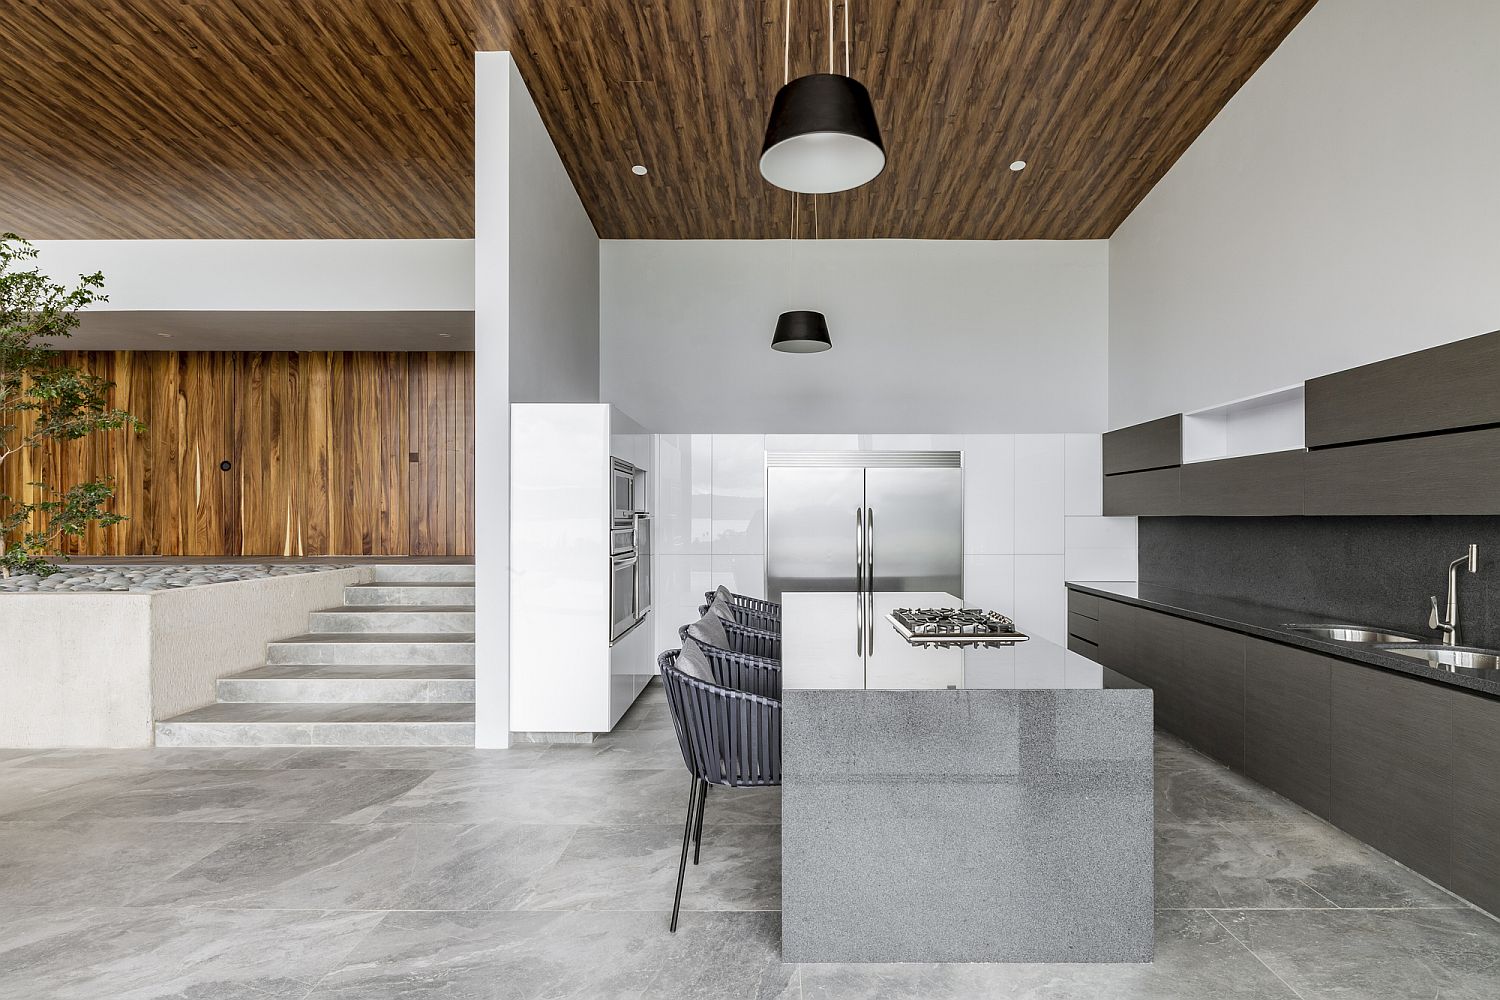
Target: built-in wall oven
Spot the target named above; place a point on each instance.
(629, 549)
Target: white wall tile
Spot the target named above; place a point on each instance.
(1041, 602)
(1039, 494)
(1101, 533)
(912, 442)
(739, 494)
(812, 442)
(1101, 564)
(989, 493)
(1084, 476)
(683, 502)
(989, 583)
(678, 587)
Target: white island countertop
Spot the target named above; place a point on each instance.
(821, 650)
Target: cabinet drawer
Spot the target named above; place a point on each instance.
(1264, 485)
(1086, 605)
(1211, 702)
(1154, 444)
(1444, 388)
(1288, 722)
(1446, 474)
(1136, 493)
(1084, 648)
(1084, 628)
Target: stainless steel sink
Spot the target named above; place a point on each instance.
(1457, 659)
(1351, 633)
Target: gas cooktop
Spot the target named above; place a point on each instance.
(945, 627)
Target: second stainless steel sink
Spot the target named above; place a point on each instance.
(1351, 633)
(1457, 659)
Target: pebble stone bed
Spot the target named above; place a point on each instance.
(147, 579)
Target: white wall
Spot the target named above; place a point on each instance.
(928, 335)
(1342, 208)
(554, 269)
(270, 274)
(1032, 513)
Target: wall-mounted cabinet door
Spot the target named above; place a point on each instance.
(1444, 474)
(1254, 485)
(1288, 722)
(1155, 444)
(1143, 493)
(1393, 765)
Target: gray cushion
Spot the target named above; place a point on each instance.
(709, 630)
(723, 607)
(694, 663)
(723, 594)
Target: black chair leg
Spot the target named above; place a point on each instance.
(687, 836)
(698, 832)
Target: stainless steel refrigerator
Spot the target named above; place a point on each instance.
(863, 527)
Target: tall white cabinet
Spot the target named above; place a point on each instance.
(567, 681)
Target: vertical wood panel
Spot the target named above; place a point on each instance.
(441, 414)
(369, 455)
(209, 497)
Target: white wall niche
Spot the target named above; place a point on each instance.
(1256, 425)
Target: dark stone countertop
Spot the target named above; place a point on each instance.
(1266, 622)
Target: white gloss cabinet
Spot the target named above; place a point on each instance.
(567, 681)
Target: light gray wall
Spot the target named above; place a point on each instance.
(554, 269)
(928, 336)
(1342, 208)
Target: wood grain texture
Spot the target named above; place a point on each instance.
(320, 446)
(354, 118)
(1476, 801)
(1211, 706)
(1443, 388)
(1143, 493)
(1288, 723)
(1457, 473)
(1155, 444)
(1252, 485)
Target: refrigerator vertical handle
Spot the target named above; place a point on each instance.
(870, 579)
(859, 581)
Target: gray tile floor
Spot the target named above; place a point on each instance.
(545, 872)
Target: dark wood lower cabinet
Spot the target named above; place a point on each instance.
(1476, 801)
(1393, 765)
(1288, 726)
(1160, 666)
(1210, 710)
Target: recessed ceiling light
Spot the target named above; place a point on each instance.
(639, 170)
(1018, 165)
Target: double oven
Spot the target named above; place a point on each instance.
(629, 549)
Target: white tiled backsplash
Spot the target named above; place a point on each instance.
(1032, 519)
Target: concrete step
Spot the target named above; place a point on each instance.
(397, 618)
(329, 725)
(427, 594)
(425, 573)
(376, 648)
(349, 683)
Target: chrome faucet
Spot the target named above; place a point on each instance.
(1449, 628)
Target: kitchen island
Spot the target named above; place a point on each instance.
(978, 805)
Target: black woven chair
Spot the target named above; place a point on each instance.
(755, 604)
(744, 616)
(751, 674)
(728, 738)
(739, 639)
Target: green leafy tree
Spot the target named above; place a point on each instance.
(44, 400)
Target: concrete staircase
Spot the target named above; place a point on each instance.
(393, 667)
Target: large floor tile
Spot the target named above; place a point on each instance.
(36, 794)
(411, 758)
(127, 954)
(159, 758)
(635, 868)
(1407, 954)
(1207, 865)
(97, 863)
(367, 867)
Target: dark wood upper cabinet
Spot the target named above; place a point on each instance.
(1156, 444)
(1132, 493)
(1443, 474)
(1445, 388)
(1255, 485)
(1393, 765)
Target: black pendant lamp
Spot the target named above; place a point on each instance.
(801, 331)
(822, 135)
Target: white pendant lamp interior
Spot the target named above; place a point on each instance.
(822, 135)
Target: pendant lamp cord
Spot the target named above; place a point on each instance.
(830, 37)
(786, 45)
(846, 38)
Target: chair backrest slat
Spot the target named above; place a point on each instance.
(727, 737)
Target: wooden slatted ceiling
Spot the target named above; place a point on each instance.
(354, 118)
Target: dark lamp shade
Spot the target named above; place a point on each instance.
(822, 136)
(801, 331)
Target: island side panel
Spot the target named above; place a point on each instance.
(967, 826)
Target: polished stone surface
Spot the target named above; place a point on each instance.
(967, 826)
(426, 872)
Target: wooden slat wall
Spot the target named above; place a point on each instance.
(320, 445)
